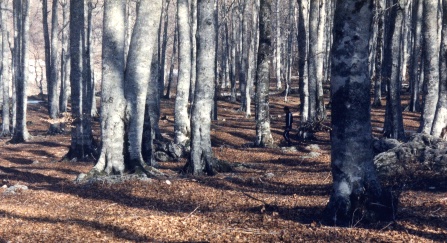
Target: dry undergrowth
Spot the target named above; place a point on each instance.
(273, 195)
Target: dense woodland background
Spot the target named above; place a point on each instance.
(170, 92)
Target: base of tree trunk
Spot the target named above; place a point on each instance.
(211, 168)
(20, 138)
(81, 153)
(54, 129)
(356, 209)
(137, 173)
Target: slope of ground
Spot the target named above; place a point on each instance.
(274, 195)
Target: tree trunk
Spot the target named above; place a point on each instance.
(161, 75)
(263, 134)
(431, 65)
(378, 52)
(21, 131)
(356, 189)
(5, 74)
(303, 40)
(89, 60)
(181, 121)
(65, 61)
(315, 67)
(52, 80)
(172, 62)
(416, 60)
(201, 159)
(111, 159)
(138, 74)
(393, 125)
(81, 145)
(278, 44)
(440, 121)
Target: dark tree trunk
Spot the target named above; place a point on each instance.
(81, 145)
(172, 62)
(356, 189)
(393, 125)
(52, 80)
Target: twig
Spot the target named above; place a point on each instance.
(192, 212)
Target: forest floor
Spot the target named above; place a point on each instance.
(278, 195)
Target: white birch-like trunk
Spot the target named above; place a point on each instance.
(181, 115)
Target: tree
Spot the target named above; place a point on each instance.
(440, 120)
(182, 127)
(263, 134)
(81, 145)
(113, 103)
(356, 189)
(394, 125)
(21, 49)
(5, 73)
(431, 65)
(65, 59)
(201, 159)
(138, 74)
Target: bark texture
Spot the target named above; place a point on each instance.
(111, 159)
(201, 159)
(138, 73)
(182, 125)
(263, 133)
(356, 189)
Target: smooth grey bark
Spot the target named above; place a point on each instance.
(356, 189)
(89, 60)
(278, 44)
(431, 64)
(440, 120)
(5, 74)
(138, 74)
(113, 103)
(315, 59)
(290, 50)
(415, 64)
(303, 52)
(65, 60)
(263, 133)
(193, 29)
(232, 55)
(182, 127)
(393, 125)
(201, 159)
(20, 130)
(81, 145)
